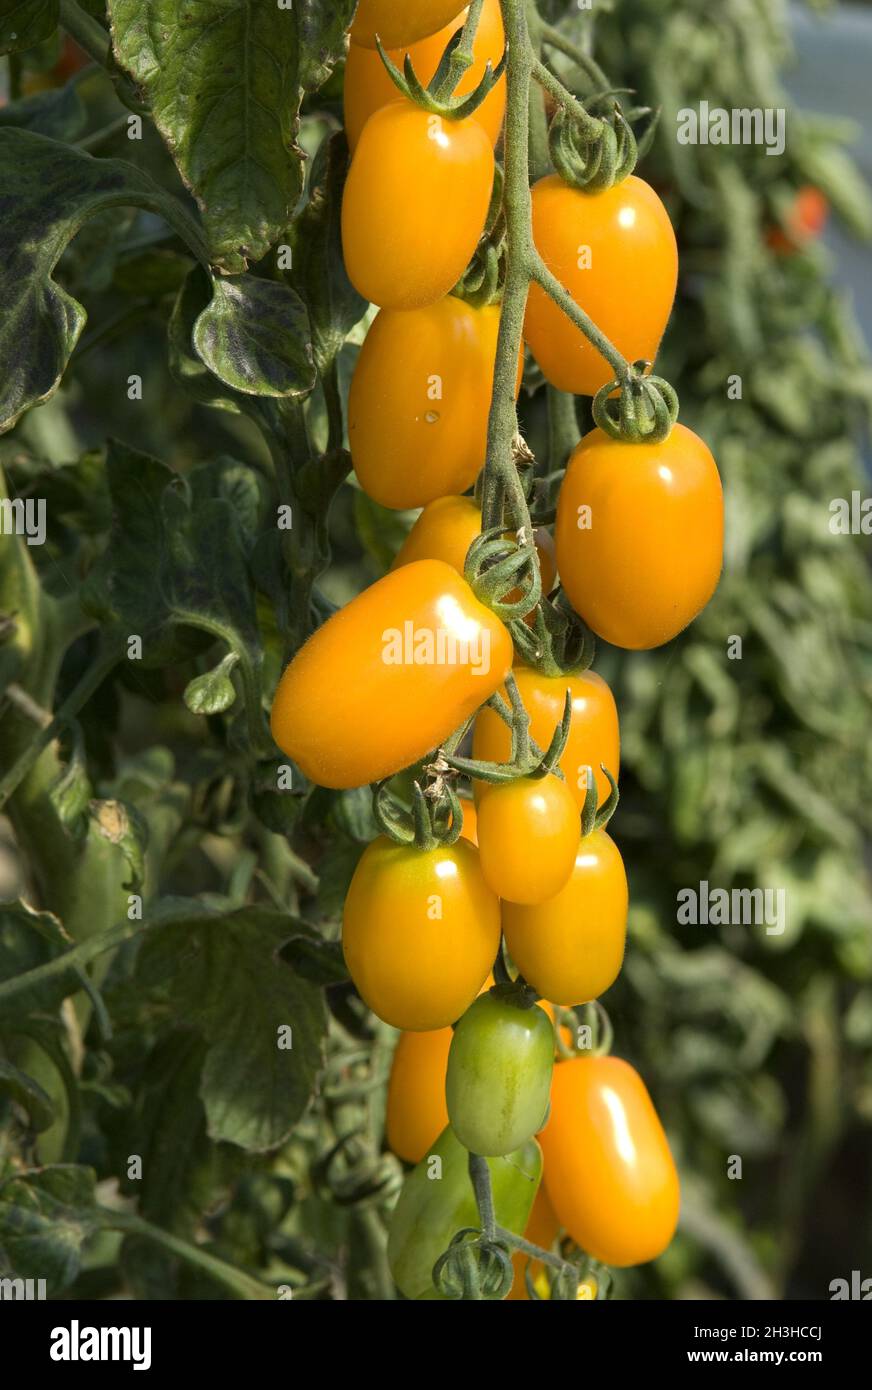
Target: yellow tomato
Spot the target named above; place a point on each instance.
(368, 86)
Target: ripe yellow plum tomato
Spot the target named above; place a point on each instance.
(528, 834)
(608, 1169)
(420, 932)
(414, 204)
(571, 947)
(615, 252)
(400, 23)
(368, 87)
(418, 409)
(416, 1109)
(389, 676)
(593, 732)
(542, 1229)
(499, 1074)
(640, 535)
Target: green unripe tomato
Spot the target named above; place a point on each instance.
(437, 1200)
(499, 1074)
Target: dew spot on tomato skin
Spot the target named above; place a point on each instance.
(431, 417)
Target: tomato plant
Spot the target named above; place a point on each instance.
(266, 290)
(499, 1074)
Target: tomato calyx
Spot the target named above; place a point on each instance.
(594, 817)
(593, 144)
(438, 96)
(475, 1266)
(596, 1031)
(527, 759)
(644, 410)
(482, 282)
(557, 642)
(435, 817)
(497, 565)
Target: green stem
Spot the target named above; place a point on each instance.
(235, 1280)
(462, 57)
(70, 961)
(555, 39)
(479, 1174)
(562, 428)
(75, 701)
(88, 34)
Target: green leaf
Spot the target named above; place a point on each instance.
(254, 336)
(318, 267)
(24, 23)
(46, 1216)
(49, 192)
(224, 977)
(176, 558)
(29, 939)
(59, 113)
(214, 691)
(223, 79)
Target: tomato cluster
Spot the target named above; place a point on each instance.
(483, 1068)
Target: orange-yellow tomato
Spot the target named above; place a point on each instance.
(640, 535)
(608, 1169)
(527, 837)
(593, 732)
(542, 1230)
(414, 204)
(570, 948)
(416, 1109)
(420, 932)
(368, 87)
(389, 676)
(418, 406)
(395, 23)
(446, 529)
(615, 253)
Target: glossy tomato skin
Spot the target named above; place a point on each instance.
(416, 1110)
(420, 932)
(414, 204)
(437, 1200)
(640, 535)
(527, 835)
(610, 1175)
(402, 23)
(418, 408)
(571, 947)
(593, 734)
(470, 821)
(499, 1074)
(615, 253)
(389, 676)
(542, 1229)
(368, 87)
